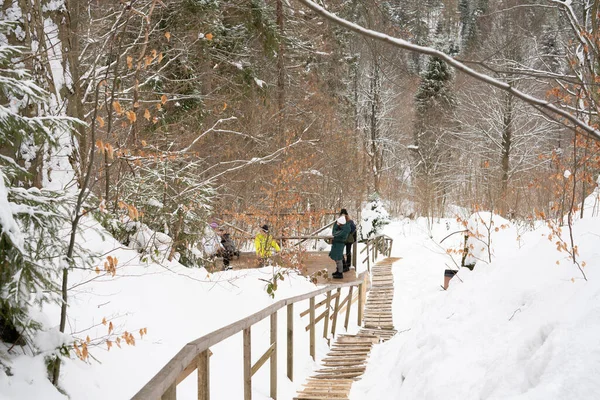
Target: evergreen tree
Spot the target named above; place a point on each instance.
(31, 249)
(434, 101)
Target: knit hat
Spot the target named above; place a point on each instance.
(341, 220)
(343, 212)
(265, 228)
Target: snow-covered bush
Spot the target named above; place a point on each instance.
(374, 218)
(170, 202)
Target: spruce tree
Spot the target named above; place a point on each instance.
(31, 249)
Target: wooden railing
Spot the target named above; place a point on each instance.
(374, 246)
(195, 355)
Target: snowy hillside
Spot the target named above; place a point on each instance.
(176, 305)
(526, 326)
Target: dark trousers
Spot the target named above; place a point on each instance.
(348, 259)
(226, 258)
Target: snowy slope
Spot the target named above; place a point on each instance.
(522, 327)
(176, 305)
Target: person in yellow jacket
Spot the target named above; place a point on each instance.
(264, 243)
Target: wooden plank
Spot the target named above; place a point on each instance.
(317, 320)
(326, 316)
(247, 365)
(336, 308)
(273, 371)
(361, 300)
(319, 304)
(348, 306)
(262, 360)
(290, 342)
(312, 328)
(203, 365)
(170, 393)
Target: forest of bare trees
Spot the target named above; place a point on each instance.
(170, 113)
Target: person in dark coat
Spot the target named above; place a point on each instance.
(228, 249)
(352, 237)
(340, 233)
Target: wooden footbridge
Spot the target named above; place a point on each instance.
(346, 361)
(344, 364)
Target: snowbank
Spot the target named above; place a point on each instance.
(526, 326)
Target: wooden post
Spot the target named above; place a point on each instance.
(348, 306)
(360, 303)
(204, 375)
(355, 254)
(390, 248)
(171, 393)
(335, 311)
(290, 341)
(312, 328)
(368, 258)
(326, 322)
(247, 365)
(273, 391)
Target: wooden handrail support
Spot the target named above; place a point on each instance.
(163, 384)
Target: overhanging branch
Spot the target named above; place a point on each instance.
(403, 44)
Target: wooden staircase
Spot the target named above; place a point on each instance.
(346, 361)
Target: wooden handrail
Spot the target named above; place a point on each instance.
(166, 378)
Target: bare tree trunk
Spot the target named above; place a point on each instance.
(374, 127)
(280, 72)
(507, 133)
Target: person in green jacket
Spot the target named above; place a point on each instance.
(340, 232)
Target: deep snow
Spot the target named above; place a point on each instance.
(522, 327)
(525, 326)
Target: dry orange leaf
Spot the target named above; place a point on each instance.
(209, 36)
(160, 57)
(131, 116)
(147, 114)
(100, 121)
(129, 62)
(104, 321)
(110, 327)
(168, 36)
(117, 107)
(163, 98)
(144, 143)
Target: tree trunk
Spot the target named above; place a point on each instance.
(280, 72)
(507, 133)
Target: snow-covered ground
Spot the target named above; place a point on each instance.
(526, 326)
(176, 305)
